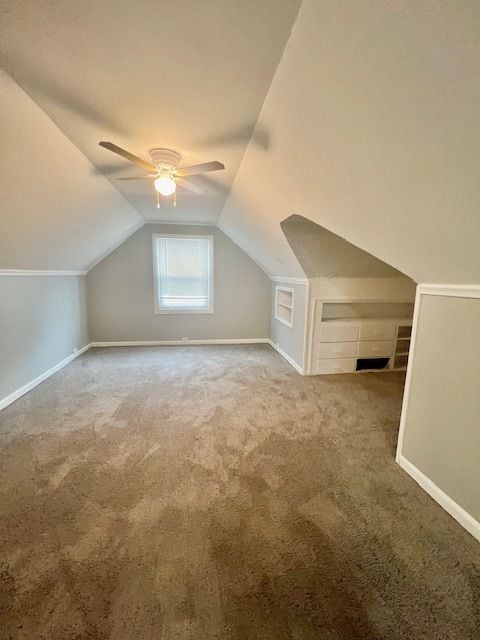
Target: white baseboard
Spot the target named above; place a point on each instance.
(304, 281)
(176, 343)
(4, 402)
(286, 357)
(467, 521)
(39, 272)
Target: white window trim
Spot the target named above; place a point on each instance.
(278, 290)
(211, 263)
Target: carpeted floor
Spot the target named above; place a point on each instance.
(213, 493)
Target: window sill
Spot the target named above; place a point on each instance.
(191, 312)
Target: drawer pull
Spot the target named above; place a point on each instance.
(374, 349)
(378, 333)
(338, 350)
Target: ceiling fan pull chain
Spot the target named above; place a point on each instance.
(158, 200)
(174, 198)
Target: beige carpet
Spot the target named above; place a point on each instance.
(212, 492)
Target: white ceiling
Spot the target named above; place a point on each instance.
(373, 119)
(189, 75)
(369, 128)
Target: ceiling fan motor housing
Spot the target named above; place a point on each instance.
(165, 159)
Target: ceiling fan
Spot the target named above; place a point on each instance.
(164, 170)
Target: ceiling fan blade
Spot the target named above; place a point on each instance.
(127, 155)
(200, 168)
(189, 185)
(147, 177)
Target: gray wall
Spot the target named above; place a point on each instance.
(42, 320)
(442, 432)
(290, 339)
(120, 294)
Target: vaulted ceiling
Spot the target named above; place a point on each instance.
(55, 211)
(364, 120)
(373, 118)
(188, 75)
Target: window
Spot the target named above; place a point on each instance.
(183, 273)
(284, 305)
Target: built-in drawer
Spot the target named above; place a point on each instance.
(376, 331)
(378, 349)
(336, 349)
(335, 365)
(336, 332)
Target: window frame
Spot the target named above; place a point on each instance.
(156, 280)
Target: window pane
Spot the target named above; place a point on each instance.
(183, 273)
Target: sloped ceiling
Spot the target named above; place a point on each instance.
(187, 75)
(369, 128)
(322, 253)
(373, 120)
(55, 213)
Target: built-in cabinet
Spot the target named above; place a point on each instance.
(358, 344)
(330, 325)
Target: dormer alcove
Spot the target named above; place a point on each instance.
(357, 310)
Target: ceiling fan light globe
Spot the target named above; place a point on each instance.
(165, 186)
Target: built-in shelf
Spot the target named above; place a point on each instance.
(284, 305)
(400, 361)
(356, 310)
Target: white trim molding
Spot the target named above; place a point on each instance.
(452, 290)
(306, 332)
(456, 511)
(178, 343)
(288, 280)
(182, 223)
(15, 395)
(449, 290)
(467, 521)
(286, 357)
(39, 272)
(408, 378)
